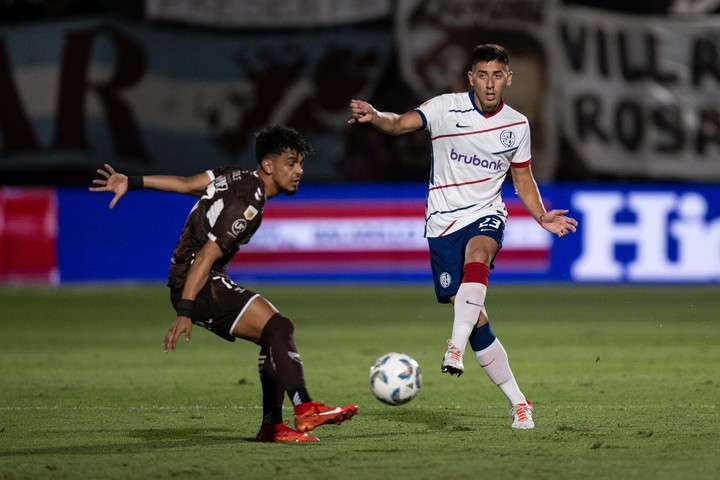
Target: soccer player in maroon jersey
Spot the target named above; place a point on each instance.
(226, 215)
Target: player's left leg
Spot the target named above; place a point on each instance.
(277, 335)
(255, 323)
(262, 323)
(493, 359)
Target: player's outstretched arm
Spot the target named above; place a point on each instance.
(194, 185)
(119, 184)
(385, 122)
(554, 221)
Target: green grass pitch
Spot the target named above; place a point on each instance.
(625, 381)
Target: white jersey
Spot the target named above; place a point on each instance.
(472, 153)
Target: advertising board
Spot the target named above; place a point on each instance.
(629, 233)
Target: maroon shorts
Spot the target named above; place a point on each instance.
(219, 305)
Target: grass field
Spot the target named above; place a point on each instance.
(625, 381)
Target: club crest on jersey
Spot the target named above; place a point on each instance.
(507, 138)
(445, 279)
(250, 212)
(238, 227)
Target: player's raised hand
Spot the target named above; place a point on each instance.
(112, 181)
(557, 223)
(181, 325)
(362, 112)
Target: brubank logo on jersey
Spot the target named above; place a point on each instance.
(475, 161)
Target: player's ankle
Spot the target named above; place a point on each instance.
(303, 407)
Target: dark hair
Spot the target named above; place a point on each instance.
(276, 139)
(488, 52)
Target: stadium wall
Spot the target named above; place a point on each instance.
(642, 233)
(607, 95)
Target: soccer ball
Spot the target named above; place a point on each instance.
(395, 378)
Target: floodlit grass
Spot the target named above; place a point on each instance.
(625, 382)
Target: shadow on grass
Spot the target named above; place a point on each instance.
(432, 420)
(149, 439)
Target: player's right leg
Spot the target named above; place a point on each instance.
(460, 263)
(447, 267)
(468, 304)
(272, 428)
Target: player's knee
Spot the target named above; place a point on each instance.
(277, 327)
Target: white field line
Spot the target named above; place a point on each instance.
(43, 408)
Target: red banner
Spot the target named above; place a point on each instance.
(28, 235)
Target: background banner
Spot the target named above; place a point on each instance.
(629, 234)
(608, 95)
(74, 95)
(267, 13)
(641, 98)
(28, 235)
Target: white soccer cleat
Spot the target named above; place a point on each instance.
(522, 414)
(452, 362)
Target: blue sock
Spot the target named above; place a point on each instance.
(482, 337)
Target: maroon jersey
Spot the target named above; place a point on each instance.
(229, 213)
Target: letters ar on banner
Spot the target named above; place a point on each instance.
(75, 94)
(632, 97)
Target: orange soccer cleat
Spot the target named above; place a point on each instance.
(280, 433)
(310, 415)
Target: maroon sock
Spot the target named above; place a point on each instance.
(272, 396)
(278, 337)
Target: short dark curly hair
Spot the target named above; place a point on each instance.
(276, 139)
(488, 52)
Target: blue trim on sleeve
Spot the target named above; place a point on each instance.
(424, 120)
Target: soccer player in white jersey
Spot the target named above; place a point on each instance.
(476, 139)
